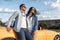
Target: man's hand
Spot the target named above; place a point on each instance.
(32, 33)
(8, 29)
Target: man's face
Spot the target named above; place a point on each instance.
(23, 8)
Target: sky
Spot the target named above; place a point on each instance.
(48, 9)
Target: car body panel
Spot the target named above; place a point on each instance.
(45, 35)
(39, 34)
(5, 34)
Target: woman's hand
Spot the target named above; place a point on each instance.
(33, 33)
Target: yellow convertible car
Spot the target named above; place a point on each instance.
(39, 35)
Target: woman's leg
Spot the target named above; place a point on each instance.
(28, 35)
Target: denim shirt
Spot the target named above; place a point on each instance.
(17, 16)
(34, 24)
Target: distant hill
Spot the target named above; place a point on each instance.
(50, 24)
(1, 23)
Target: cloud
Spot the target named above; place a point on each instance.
(49, 15)
(1, 9)
(47, 12)
(7, 10)
(44, 17)
(8, 0)
(46, 3)
(56, 4)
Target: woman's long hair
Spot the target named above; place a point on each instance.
(30, 10)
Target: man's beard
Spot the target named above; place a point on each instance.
(23, 10)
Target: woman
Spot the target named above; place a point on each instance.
(32, 20)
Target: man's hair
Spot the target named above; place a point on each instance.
(21, 5)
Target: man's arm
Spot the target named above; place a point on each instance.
(11, 19)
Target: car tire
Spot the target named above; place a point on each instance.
(8, 39)
(57, 37)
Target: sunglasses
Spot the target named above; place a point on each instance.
(24, 6)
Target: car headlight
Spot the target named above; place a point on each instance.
(57, 37)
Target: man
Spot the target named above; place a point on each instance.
(20, 24)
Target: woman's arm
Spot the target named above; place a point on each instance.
(35, 27)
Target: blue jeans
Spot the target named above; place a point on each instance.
(24, 34)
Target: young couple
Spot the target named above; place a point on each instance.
(25, 23)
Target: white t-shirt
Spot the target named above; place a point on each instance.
(23, 21)
(29, 20)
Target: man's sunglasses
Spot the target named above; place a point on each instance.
(24, 6)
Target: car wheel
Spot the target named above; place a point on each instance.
(57, 37)
(9, 39)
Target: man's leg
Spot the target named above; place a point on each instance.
(28, 35)
(21, 35)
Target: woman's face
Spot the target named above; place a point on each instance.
(33, 10)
